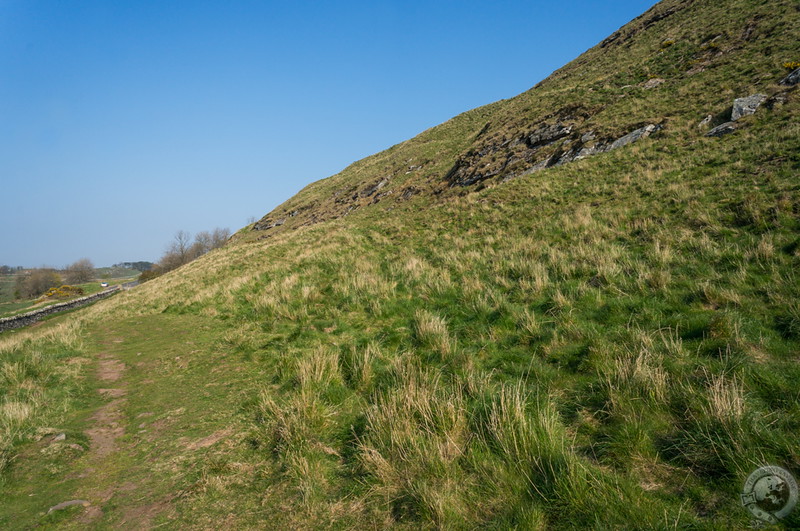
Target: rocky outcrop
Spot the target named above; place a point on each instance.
(722, 129)
(546, 146)
(746, 106)
(18, 321)
(741, 107)
(582, 149)
(792, 79)
(547, 134)
(266, 224)
(633, 136)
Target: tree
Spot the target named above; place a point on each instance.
(36, 282)
(150, 274)
(220, 237)
(180, 245)
(181, 252)
(202, 244)
(80, 271)
(178, 252)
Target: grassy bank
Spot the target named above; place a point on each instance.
(584, 347)
(609, 343)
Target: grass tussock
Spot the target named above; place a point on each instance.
(40, 375)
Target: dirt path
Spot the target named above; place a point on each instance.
(161, 418)
(107, 421)
(107, 427)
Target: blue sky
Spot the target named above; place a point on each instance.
(123, 122)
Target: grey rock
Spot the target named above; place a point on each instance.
(587, 137)
(581, 152)
(409, 192)
(371, 190)
(746, 106)
(64, 505)
(542, 164)
(722, 129)
(633, 136)
(589, 151)
(568, 156)
(60, 437)
(547, 134)
(266, 225)
(791, 79)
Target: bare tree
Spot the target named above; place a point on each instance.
(36, 282)
(181, 251)
(202, 244)
(80, 271)
(180, 246)
(220, 237)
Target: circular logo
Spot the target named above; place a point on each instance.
(770, 493)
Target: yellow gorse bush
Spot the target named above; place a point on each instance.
(63, 292)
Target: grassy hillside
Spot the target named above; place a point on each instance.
(607, 343)
(703, 53)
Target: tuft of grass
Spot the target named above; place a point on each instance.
(431, 331)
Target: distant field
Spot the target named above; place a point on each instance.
(9, 306)
(6, 288)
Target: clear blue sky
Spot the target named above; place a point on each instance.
(122, 122)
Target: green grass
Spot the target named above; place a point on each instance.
(611, 343)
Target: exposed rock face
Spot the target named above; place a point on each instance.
(746, 106)
(633, 136)
(569, 144)
(547, 134)
(722, 129)
(268, 224)
(791, 79)
(372, 189)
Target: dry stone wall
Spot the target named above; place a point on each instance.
(25, 319)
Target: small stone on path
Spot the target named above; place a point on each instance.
(64, 505)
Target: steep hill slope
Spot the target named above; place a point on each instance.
(671, 67)
(600, 341)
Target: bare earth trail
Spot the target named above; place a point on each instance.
(107, 427)
(101, 480)
(162, 436)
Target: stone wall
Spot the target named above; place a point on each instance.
(25, 319)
